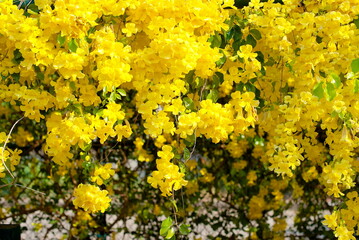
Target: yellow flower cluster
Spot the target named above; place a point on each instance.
(10, 157)
(345, 221)
(91, 198)
(141, 154)
(167, 177)
(102, 173)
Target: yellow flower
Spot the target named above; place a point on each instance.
(245, 52)
(102, 173)
(91, 198)
(331, 220)
(130, 29)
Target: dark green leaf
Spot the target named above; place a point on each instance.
(356, 22)
(260, 57)
(33, 8)
(189, 141)
(251, 41)
(189, 76)
(17, 56)
(184, 229)
(218, 78)
(256, 34)
(236, 44)
(7, 179)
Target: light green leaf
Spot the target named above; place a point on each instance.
(188, 103)
(356, 86)
(215, 40)
(121, 92)
(170, 233)
(165, 226)
(186, 154)
(174, 203)
(61, 39)
(182, 167)
(355, 65)
(337, 80)
(330, 89)
(213, 95)
(318, 90)
(73, 45)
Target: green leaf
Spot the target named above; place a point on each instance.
(183, 168)
(251, 41)
(221, 61)
(318, 90)
(236, 44)
(174, 203)
(215, 40)
(337, 80)
(73, 45)
(356, 22)
(256, 34)
(330, 89)
(356, 86)
(186, 154)
(122, 92)
(113, 96)
(355, 65)
(17, 56)
(33, 8)
(170, 233)
(218, 78)
(86, 147)
(165, 226)
(184, 229)
(237, 34)
(189, 76)
(188, 103)
(72, 85)
(7, 179)
(189, 141)
(213, 95)
(61, 39)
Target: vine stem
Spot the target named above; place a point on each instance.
(7, 169)
(3, 149)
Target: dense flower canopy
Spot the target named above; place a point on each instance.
(259, 103)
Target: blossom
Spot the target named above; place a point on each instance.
(91, 198)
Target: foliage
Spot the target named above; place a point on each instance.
(174, 115)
